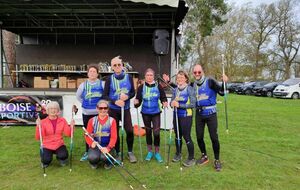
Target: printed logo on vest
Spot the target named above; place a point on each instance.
(149, 95)
(93, 95)
(101, 134)
(202, 97)
(121, 90)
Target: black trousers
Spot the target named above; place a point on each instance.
(155, 120)
(47, 156)
(116, 114)
(86, 119)
(95, 156)
(212, 124)
(185, 126)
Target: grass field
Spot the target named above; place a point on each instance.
(261, 151)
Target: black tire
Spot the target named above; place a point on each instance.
(295, 95)
(269, 94)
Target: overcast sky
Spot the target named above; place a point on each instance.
(256, 3)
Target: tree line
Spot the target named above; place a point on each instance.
(257, 42)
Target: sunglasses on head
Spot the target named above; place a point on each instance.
(197, 72)
(102, 108)
(117, 65)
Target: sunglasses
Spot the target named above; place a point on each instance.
(197, 72)
(117, 65)
(102, 108)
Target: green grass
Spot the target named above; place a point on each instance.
(261, 151)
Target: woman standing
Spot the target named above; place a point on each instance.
(183, 99)
(89, 93)
(150, 95)
(52, 129)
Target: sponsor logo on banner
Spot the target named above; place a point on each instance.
(22, 110)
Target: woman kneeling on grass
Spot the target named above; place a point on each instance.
(104, 130)
(53, 128)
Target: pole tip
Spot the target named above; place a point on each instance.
(227, 131)
(167, 167)
(70, 170)
(181, 169)
(45, 175)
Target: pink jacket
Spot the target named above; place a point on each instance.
(53, 140)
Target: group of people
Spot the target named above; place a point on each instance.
(105, 106)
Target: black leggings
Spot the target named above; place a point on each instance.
(61, 154)
(116, 114)
(184, 125)
(155, 119)
(95, 156)
(212, 124)
(86, 119)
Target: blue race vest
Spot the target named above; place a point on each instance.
(118, 86)
(183, 98)
(102, 132)
(206, 98)
(91, 94)
(151, 100)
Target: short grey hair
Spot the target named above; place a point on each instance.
(52, 104)
(103, 101)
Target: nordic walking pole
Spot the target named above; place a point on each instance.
(107, 157)
(74, 111)
(122, 140)
(169, 148)
(225, 94)
(178, 140)
(165, 128)
(139, 131)
(110, 158)
(41, 144)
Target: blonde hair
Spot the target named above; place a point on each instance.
(181, 72)
(52, 104)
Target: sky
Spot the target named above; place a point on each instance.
(256, 3)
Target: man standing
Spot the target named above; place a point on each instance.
(206, 90)
(119, 89)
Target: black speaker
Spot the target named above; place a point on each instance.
(161, 42)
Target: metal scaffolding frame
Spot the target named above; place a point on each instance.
(78, 18)
(87, 16)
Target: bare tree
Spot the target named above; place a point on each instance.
(260, 29)
(288, 36)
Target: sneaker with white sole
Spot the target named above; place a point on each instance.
(131, 157)
(94, 166)
(63, 162)
(203, 160)
(189, 162)
(158, 157)
(217, 165)
(176, 158)
(84, 157)
(107, 166)
(149, 156)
